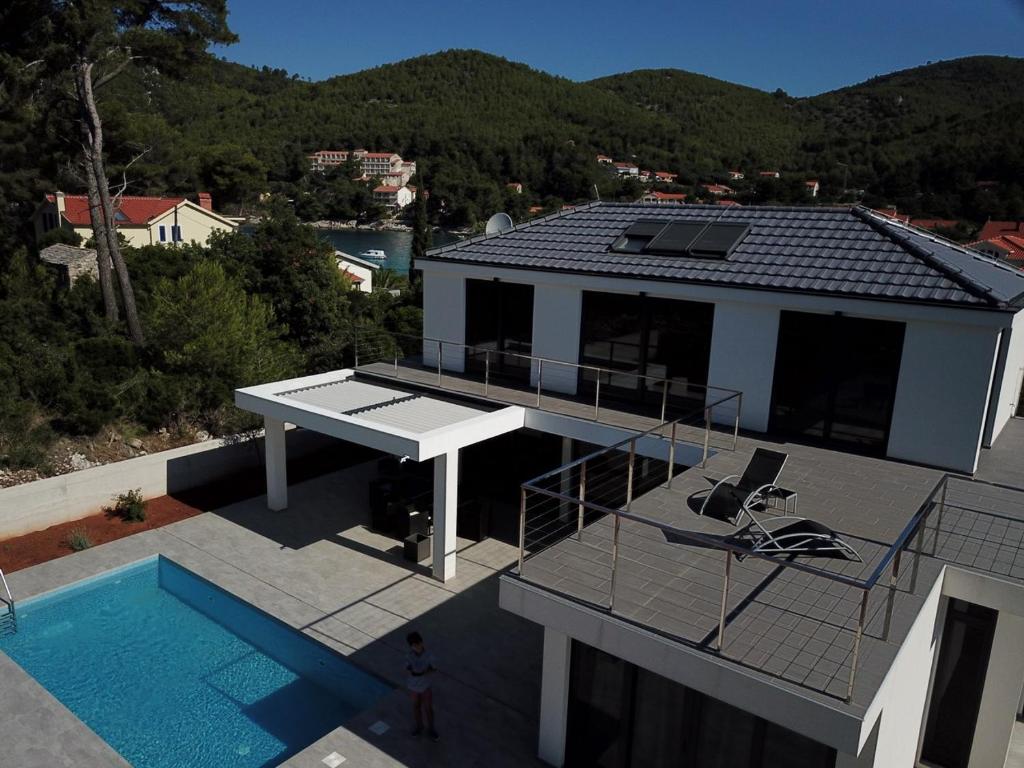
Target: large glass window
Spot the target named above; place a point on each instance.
(640, 342)
(622, 716)
(499, 321)
(835, 379)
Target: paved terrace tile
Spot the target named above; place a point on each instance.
(795, 626)
(318, 568)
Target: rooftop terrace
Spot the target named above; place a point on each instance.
(675, 572)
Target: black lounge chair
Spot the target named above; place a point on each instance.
(793, 536)
(727, 500)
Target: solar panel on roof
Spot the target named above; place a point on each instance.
(637, 236)
(718, 240)
(676, 237)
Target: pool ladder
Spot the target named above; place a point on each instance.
(9, 617)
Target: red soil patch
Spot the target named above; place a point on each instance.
(51, 543)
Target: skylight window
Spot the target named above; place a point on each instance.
(693, 238)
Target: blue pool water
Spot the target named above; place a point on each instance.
(172, 671)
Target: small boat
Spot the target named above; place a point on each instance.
(374, 254)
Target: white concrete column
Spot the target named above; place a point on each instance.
(276, 452)
(446, 503)
(554, 697)
(556, 335)
(1001, 694)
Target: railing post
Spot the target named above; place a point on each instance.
(522, 528)
(671, 454)
(440, 350)
(894, 576)
(664, 398)
(355, 346)
(540, 378)
(583, 496)
(707, 436)
(736, 428)
(396, 360)
(725, 600)
(856, 645)
(487, 370)
(597, 397)
(938, 521)
(629, 474)
(615, 562)
(917, 551)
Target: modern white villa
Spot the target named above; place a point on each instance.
(863, 607)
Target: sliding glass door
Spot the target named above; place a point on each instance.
(835, 379)
(622, 716)
(499, 321)
(639, 343)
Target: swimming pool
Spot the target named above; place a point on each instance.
(172, 671)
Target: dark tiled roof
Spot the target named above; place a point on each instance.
(836, 251)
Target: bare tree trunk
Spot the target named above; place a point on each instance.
(95, 156)
(99, 228)
(99, 224)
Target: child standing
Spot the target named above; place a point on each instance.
(419, 663)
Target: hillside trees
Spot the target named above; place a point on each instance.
(76, 48)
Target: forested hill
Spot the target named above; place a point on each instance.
(920, 138)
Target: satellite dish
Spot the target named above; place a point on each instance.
(498, 223)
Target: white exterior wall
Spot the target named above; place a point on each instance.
(72, 496)
(557, 312)
(444, 317)
(196, 226)
(945, 375)
(895, 718)
(360, 271)
(942, 394)
(1010, 377)
(743, 342)
(554, 697)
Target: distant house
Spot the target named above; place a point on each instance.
(769, 174)
(736, 175)
(359, 272)
(392, 197)
(1002, 240)
(935, 224)
(646, 175)
(141, 220)
(515, 186)
(70, 262)
(727, 203)
(534, 209)
(718, 189)
(605, 160)
(666, 177)
(813, 187)
(626, 169)
(663, 197)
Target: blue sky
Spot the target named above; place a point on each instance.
(803, 46)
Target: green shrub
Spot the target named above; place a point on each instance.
(77, 539)
(130, 506)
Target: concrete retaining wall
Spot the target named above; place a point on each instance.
(53, 500)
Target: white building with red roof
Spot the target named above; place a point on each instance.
(665, 176)
(1002, 240)
(141, 220)
(813, 187)
(718, 189)
(664, 198)
(735, 175)
(393, 197)
(627, 169)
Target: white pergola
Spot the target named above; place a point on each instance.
(406, 423)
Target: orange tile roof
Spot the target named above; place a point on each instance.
(131, 211)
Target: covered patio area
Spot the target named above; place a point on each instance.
(406, 423)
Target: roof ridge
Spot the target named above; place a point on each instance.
(516, 228)
(884, 227)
